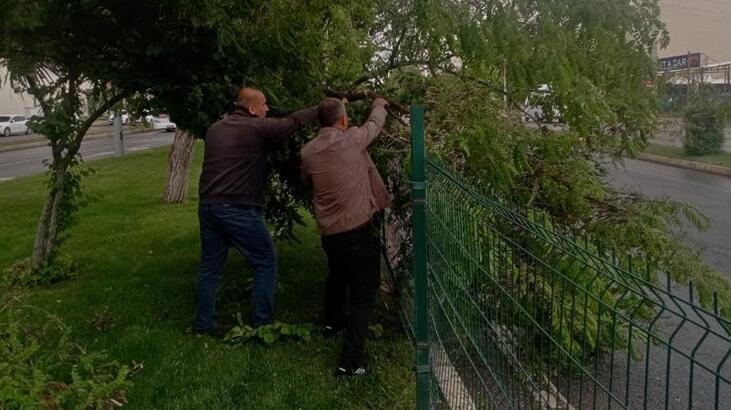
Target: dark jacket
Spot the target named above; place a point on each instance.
(235, 162)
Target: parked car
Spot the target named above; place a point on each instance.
(123, 113)
(146, 117)
(13, 124)
(535, 104)
(162, 122)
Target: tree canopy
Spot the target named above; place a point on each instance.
(472, 63)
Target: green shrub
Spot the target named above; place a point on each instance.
(704, 123)
(40, 368)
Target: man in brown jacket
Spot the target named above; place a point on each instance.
(348, 192)
(231, 188)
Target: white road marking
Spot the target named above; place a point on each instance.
(140, 148)
(3, 179)
(18, 162)
(720, 250)
(98, 154)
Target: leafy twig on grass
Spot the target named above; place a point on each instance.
(102, 320)
(268, 334)
(376, 330)
(22, 273)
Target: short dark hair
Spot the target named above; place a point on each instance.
(330, 111)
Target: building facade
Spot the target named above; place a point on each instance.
(12, 102)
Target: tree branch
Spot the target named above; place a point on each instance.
(396, 65)
(370, 95)
(492, 87)
(395, 51)
(96, 114)
(36, 93)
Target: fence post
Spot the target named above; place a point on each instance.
(418, 232)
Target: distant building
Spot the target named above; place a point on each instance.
(700, 44)
(12, 102)
(23, 103)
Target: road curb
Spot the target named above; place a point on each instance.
(683, 163)
(44, 142)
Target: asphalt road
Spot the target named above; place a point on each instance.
(709, 193)
(29, 161)
(712, 195)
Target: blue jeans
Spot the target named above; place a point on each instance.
(243, 227)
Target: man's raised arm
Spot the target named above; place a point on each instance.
(369, 131)
(285, 126)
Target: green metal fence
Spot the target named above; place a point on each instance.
(506, 311)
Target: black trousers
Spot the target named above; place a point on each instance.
(354, 263)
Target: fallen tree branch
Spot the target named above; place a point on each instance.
(370, 95)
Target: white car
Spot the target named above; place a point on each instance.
(123, 113)
(13, 124)
(162, 122)
(533, 107)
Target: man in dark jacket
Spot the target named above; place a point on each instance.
(231, 200)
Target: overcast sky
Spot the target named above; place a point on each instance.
(698, 26)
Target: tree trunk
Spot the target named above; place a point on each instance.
(55, 208)
(64, 148)
(39, 246)
(45, 242)
(181, 153)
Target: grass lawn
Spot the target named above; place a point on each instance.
(722, 158)
(137, 260)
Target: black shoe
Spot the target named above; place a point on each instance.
(357, 368)
(331, 331)
(350, 371)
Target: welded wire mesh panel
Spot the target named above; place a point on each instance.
(396, 261)
(522, 316)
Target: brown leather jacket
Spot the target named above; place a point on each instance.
(348, 188)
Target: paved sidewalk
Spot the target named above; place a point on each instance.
(683, 163)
